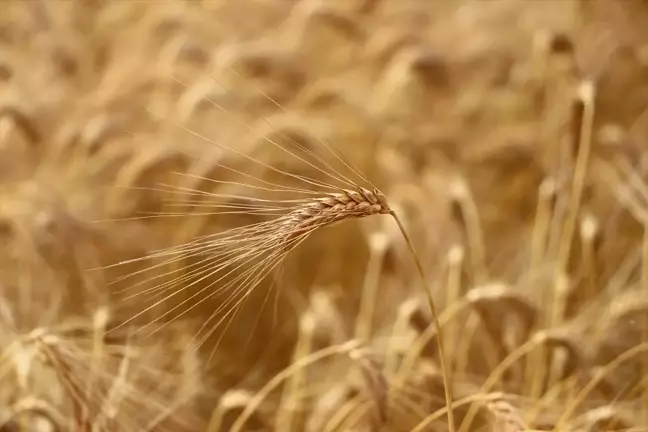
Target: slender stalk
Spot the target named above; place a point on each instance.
(435, 316)
(644, 283)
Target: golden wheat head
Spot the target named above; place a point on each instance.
(338, 207)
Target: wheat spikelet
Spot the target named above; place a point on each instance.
(334, 209)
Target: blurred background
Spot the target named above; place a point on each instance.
(509, 135)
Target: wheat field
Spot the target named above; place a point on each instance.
(195, 200)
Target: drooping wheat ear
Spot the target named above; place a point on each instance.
(335, 208)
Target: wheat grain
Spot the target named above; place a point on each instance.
(335, 208)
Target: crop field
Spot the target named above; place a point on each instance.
(323, 215)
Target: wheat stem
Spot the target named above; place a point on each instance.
(435, 317)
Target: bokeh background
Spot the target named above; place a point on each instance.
(509, 135)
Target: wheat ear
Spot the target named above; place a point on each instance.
(335, 208)
(358, 204)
